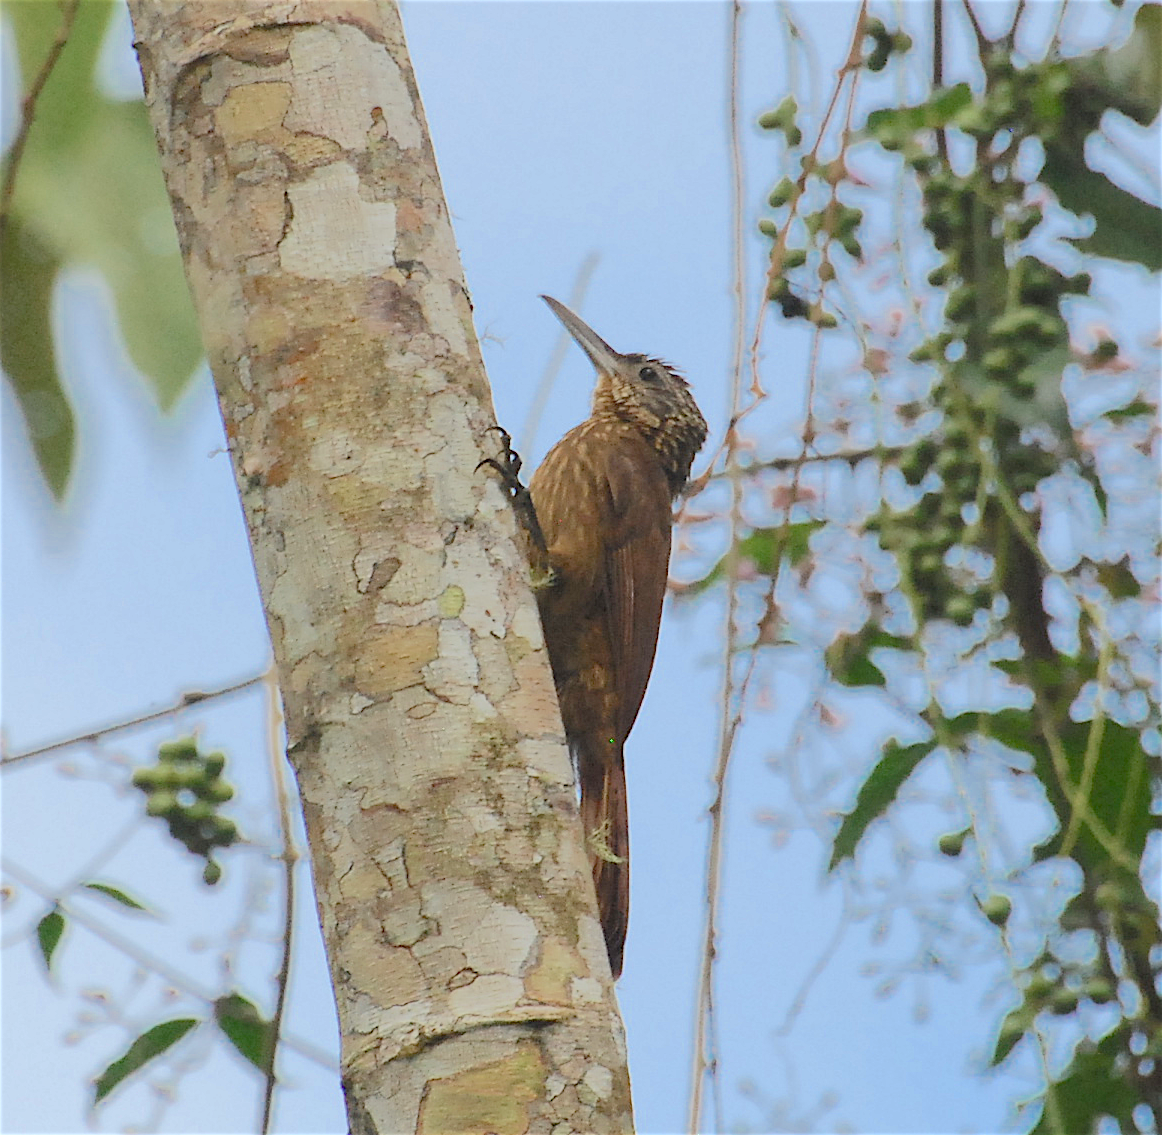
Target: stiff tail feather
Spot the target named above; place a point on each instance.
(604, 816)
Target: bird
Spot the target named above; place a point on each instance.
(598, 513)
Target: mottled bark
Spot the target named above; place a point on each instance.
(468, 965)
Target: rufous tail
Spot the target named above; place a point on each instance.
(604, 815)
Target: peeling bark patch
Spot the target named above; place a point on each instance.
(252, 111)
(395, 660)
(489, 1100)
(335, 233)
(394, 309)
(263, 46)
(549, 981)
(381, 574)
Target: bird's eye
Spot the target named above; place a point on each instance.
(648, 374)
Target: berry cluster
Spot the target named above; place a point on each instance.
(185, 788)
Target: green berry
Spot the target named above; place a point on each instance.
(782, 193)
(184, 749)
(952, 843)
(997, 908)
(162, 804)
(1099, 990)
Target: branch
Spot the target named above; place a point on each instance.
(28, 107)
(193, 697)
(938, 70)
(289, 858)
(1011, 35)
(983, 45)
(705, 1032)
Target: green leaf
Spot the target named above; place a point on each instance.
(26, 349)
(153, 1042)
(861, 671)
(940, 110)
(849, 660)
(48, 933)
(1093, 1086)
(764, 547)
(1125, 227)
(1119, 793)
(1119, 580)
(245, 1028)
(947, 104)
(89, 191)
(1013, 1028)
(1129, 77)
(116, 894)
(1136, 409)
(876, 794)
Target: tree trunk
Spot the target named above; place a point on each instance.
(469, 968)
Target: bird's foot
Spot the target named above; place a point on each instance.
(508, 465)
(599, 844)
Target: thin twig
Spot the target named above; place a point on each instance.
(1058, 28)
(850, 65)
(983, 45)
(193, 697)
(28, 108)
(1011, 35)
(938, 70)
(734, 696)
(705, 1040)
(822, 961)
(290, 856)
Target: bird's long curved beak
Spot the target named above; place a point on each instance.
(600, 353)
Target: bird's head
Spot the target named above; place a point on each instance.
(644, 391)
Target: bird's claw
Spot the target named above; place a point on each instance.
(508, 465)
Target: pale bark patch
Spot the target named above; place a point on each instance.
(493, 937)
(327, 102)
(335, 233)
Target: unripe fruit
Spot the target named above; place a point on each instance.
(997, 908)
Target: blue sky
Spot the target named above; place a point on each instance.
(562, 130)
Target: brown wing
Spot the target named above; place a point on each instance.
(604, 505)
(637, 560)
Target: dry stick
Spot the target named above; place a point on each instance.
(193, 697)
(758, 394)
(1011, 35)
(28, 108)
(544, 389)
(734, 697)
(289, 857)
(705, 1040)
(1055, 41)
(982, 41)
(938, 70)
